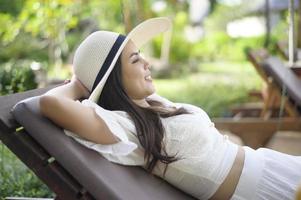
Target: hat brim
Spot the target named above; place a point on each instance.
(140, 35)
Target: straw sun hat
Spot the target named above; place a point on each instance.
(96, 56)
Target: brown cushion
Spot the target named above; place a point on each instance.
(103, 179)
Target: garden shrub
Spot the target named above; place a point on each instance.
(17, 180)
(16, 78)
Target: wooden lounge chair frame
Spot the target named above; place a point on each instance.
(272, 99)
(256, 132)
(284, 78)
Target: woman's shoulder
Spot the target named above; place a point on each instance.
(163, 100)
(189, 107)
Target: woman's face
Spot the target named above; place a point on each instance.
(135, 72)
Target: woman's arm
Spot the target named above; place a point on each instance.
(59, 106)
(72, 90)
(79, 119)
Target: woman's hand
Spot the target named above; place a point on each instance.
(73, 89)
(80, 87)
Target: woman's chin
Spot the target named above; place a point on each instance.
(151, 91)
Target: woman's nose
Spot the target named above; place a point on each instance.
(146, 64)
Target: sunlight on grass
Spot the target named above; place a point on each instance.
(215, 88)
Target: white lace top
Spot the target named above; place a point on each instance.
(205, 156)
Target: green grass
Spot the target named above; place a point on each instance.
(215, 88)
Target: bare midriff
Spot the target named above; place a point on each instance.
(227, 188)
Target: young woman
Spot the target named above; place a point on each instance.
(129, 124)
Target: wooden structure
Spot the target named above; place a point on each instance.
(287, 82)
(269, 94)
(258, 130)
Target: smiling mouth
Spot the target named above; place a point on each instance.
(148, 78)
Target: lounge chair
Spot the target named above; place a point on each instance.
(257, 132)
(284, 78)
(282, 47)
(69, 169)
(270, 95)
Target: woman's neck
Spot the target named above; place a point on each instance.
(141, 102)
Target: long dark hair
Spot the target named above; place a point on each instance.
(149, 128)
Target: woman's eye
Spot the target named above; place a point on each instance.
(135, 61)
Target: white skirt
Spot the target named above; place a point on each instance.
(268, 175)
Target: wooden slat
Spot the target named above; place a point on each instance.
(16, 141)
(86, 195)
(256, 57)
(60, 181)
(282, 76)
(36, 158)
(247, 110)
(296, 70)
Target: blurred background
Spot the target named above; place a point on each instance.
(201, 61)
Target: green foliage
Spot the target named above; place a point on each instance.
(12, 7)
(14, 78)
(215, 88)
(42, 18)
(219, 46)
(49, 30)
(215, 98)
(21, 49)
(17, 180)
(180, 47)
